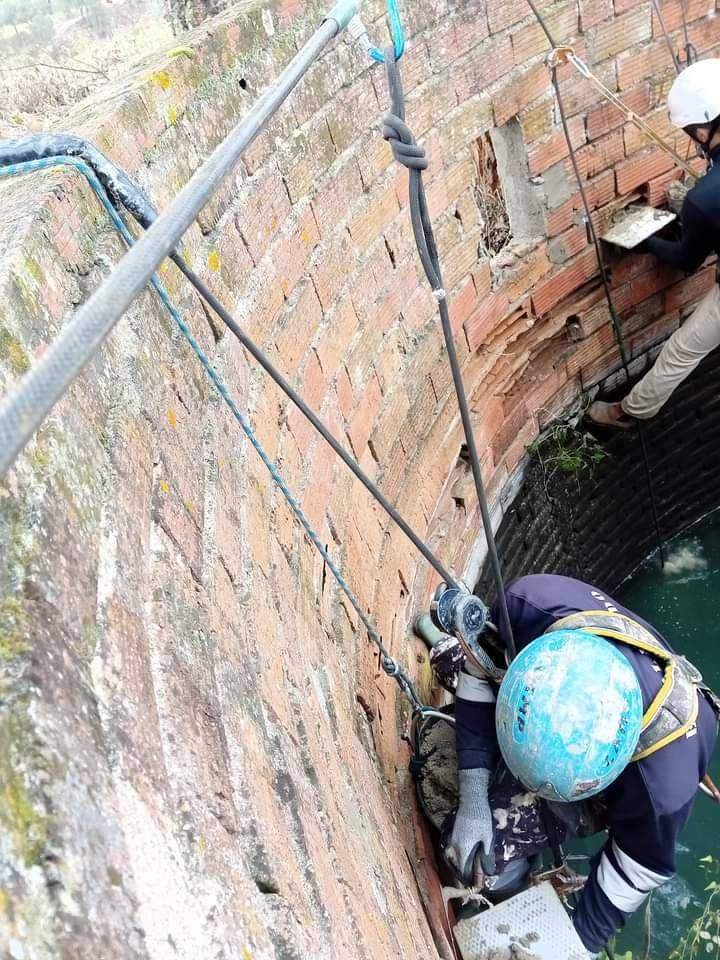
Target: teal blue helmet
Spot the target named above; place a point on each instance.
(569, 715)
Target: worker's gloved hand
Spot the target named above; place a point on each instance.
(473, 829)
(447, 659)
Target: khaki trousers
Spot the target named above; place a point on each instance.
(681, 354)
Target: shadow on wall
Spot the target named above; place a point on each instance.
(597, 524)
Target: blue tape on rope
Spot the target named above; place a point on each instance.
(46, 163)
(398, 34)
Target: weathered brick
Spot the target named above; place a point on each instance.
(646, 63)
(607, 117)
(491, 60)
(593, 12)
(568, 244)
(489, 313)
(624, 32)
(521, 89)
(599, 155)
(528, 42)
(544, 155)
(377, 211)
(690, 291)
(641, 169)
(368, 404)
(549, 292)
(502, 15)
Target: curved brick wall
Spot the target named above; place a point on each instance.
(598, 524)
(199, 756)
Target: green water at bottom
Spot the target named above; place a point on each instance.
(683, 602)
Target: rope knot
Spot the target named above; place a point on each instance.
(404, 146)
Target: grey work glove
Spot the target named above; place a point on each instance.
(473, 828)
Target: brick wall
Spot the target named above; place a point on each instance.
(199, 756)
(600, 521)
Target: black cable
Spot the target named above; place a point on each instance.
(666, 35)
(212, 301)
(411, 155)
(691, 55)
(611, 306)
(604, 278)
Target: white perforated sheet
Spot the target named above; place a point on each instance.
(534, 924)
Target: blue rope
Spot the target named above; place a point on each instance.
(390, 666)
(398, 34)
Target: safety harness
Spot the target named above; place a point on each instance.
(673, 712)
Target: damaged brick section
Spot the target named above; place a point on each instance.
(200, 754)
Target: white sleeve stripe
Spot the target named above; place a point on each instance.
(640, 876)
(618, 891)
(471, 688)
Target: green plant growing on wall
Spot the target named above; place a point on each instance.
(565, 449)
(703, 937)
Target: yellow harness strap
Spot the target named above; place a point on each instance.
(663, 656)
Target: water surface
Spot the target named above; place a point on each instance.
(683, 602)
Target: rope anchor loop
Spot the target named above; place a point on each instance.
(398, 34)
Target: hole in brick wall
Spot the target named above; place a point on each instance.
(522, 199)
(573, 326)
(489, 197)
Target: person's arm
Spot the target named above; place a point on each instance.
(477, 752)
(695, 244)
(637, 859)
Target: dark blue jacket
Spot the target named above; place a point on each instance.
(700, 218)
(649, 803)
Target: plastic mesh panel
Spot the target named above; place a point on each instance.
(535, 920)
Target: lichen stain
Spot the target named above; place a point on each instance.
(27, 828)
(181, 52)
(214, 261)
(13, 624)
(172, 115)
(172, 418)
(12, 351)
(165, 486)
(162, 79)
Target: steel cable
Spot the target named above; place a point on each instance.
(390, 666)
(22, 411)
(605, 283)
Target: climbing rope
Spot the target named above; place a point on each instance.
(397, 32)
(410, 154)
(565, 54)
(389, 665)
(605, 282)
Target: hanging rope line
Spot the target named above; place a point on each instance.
(411, 155)
(691, 54)
(605, 283)
(390, 666)
(565, 54)
(237, 331)
(666, 35)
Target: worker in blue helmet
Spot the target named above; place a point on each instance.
(597, 724)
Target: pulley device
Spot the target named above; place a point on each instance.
(465, 616)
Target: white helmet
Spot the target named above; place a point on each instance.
(695, 96)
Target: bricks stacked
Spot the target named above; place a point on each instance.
(200, 747)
